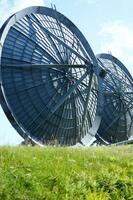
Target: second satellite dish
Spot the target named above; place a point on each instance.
(117, 91)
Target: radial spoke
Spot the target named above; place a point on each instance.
(109, 85)
(113, 80)
(128, 93)
(128, 107)
(70, 91)
(46, 54)
(83, 102)
(87, 100)
(60, 66)
(124, 106)
(113, 63)
(119, 79)
(50, 40)
(63, 36)
(61, 41)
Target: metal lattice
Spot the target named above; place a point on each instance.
(117, 90)
(48, 85)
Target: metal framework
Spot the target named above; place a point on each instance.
(52, 87)
(117, 91)
(48, 77)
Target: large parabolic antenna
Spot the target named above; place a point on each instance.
(117, 90)
(48, 84)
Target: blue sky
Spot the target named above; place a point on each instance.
(107, 25)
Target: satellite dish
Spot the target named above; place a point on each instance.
(117, 91)
(48, 71)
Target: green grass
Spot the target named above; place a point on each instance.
(33, 173)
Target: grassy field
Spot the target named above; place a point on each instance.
(33, 173)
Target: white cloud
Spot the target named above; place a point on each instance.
(8, 7)
(118, 38)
